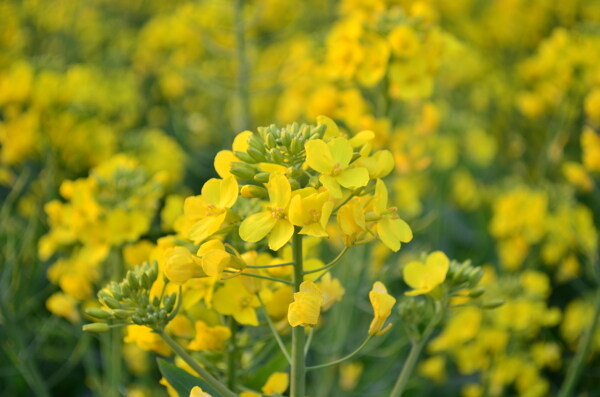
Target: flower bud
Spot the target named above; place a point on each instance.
(492, 304)
(111, 302)
(256, 155)
(253, 191)
(262, 177)
(243, 171)
(96, 328)
(97, 313)
(477, 292)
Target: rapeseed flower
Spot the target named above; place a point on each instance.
(424, 277)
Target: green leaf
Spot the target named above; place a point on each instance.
(181, 380)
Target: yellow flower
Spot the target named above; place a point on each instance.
(391, 230)
(306, 307)
(249, 394)
(182, 265)
(382, 303)
(312, 212)
(273, 220)
(214, 257)
(63, 305)
(235, 300)
(332, 291)
(198, 392)
(351, 220)
(277, 383)
(404, 41)
(209, 338)
(424, 277)
(332, 160)
(590, 145)
(206, 213)
(145, 339)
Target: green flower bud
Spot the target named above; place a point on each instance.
(477, 292)
(137, 319)
(243, 171)
(262, 177)
(98, 313)
(270, 140)
(111, 302)
(169, 302)
(245, 157)
(295, 145)
(493, 304)
(256, 155)
(145, 281)
(253, 191)
(96, 328)
(277, 156)
(121, 314)
(132, 279)
(256, 143)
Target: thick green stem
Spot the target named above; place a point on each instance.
(298, 365)
(244, 119)
(204, 374)
(574, 371)
(231, 355)
(415, 353)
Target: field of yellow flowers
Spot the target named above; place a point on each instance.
(221, 198)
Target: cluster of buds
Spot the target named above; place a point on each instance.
(130, 302)
(275, 146)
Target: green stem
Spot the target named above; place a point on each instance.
(279, 280)
(297, 371)
(231, 355)
(574, 371)
(244, 119)
(274, 331)
(330, 264)
(269, 266)
(204, 374)
(309, 341)
(415, 353)
(341, 360)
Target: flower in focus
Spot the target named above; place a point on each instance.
(311, 212)
(206, 213)
(273, 220)
(424, 277)
(382, 303)
(182, 265)
(332, 160)
(390, 229)
(235, 300)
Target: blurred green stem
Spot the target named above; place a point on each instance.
(274, 331)
(231, 354)
(341, 360)
(298, 371)
(576, 366)
(415, 352)
(204, 374)
(244, 120)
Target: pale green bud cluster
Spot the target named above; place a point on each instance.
(130, 302)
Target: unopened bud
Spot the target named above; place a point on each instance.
(121, 314)
(477, 292)
(493, 304)
(97, 313)
(256, 155)
(262, 177)
(111, 302)
(253, 191)
(243, 171)
(277, 156)
(96, 328)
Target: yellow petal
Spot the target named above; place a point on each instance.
(223, 161)
(331, 185)
(211, 191)
(257, 226)
(332, 129)
(206, 227)
(437, 264)
(277, 383)
(341, 152)
(240, 142)
(214, 261)
(318, 156)
(296, 213)
(362, 137)
(198, 392)
(352, 178)
(413, 274)
(393, 231)
(282, 233)
(279, 190)
(246, 316)
(381, 197)
(228, 192)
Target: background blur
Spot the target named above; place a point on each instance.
(491, 108)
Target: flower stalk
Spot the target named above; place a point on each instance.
(298, 337)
